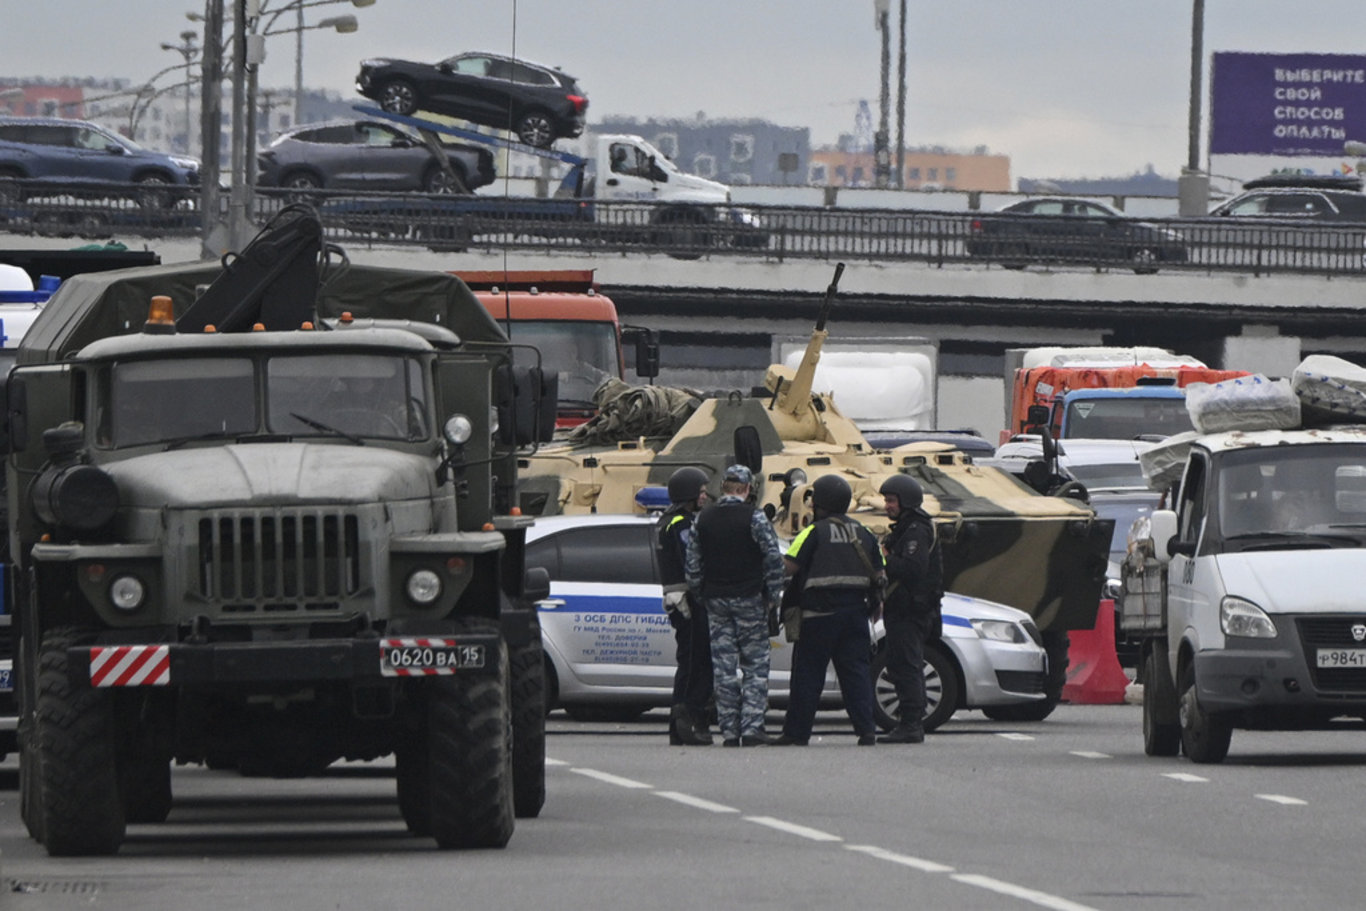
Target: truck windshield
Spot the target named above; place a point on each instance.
(361, 395)
(1125, 418)
(581, 353)
(167, 401)
(1292, 489)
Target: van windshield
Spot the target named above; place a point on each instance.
(1317, 489)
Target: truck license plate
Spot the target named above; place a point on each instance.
(1342, 657)
(424, 657)
(6, 684)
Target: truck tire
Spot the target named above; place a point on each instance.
(942, 690)
(1161, 715)
(81, 807)
(412, 769)
(1205, 737)
(469, 745)
(528, 728)
(30, 775)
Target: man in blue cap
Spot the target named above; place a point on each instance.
(735, 564)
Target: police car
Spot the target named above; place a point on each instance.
(610, 649)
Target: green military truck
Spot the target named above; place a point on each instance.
(269, 523)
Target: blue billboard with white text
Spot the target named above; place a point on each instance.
(1286, 104)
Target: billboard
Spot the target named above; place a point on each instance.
(1286, 104)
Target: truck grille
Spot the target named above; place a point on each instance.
(1333, 632)
(262, 560)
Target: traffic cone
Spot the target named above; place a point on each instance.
(1094, 676)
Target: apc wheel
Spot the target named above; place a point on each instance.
(942, 691)
(1205, 737)
(81, 808)
(535, 128)
(469, 744)
(528, 728)
(1161, 715)
(399, 96)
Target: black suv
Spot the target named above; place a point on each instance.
(1319, 198)
(368, 155)
(537, 103)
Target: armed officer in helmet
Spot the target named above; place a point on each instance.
(911, 608)
(687, 615)
(837, 566)
(735, 564)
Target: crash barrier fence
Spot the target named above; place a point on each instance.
(775, 233)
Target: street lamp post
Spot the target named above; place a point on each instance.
(189, 50)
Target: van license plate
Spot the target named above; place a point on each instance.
(1342, 657)
(418, 657)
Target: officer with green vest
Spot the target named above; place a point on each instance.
(687, 615)
(836, 564)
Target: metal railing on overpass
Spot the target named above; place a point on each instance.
(692, 231)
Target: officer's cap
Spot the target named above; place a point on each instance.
(740, 474)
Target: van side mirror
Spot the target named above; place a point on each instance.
(1162, 529)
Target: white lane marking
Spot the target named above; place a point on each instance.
(1091, 754)
(1042, 899)
(549, 761)
(1183, 776)
(612, 779)
(791, 828)
(1283, 799)
(698, 802)
(928, 866)
(1011, 735)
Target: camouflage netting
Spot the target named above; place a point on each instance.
(628, 412)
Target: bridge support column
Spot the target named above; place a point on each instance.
(1262, 349)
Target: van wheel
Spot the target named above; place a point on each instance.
(1205, 736)
(942, 690)
(1161, 715)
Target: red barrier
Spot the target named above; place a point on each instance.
(1094, 676)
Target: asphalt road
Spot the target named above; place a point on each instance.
(1066, 814)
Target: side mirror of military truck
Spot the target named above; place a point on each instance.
(646, 343)
(526, 400)
(537, 585)
(14, 428)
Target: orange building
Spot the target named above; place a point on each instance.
(925, 170)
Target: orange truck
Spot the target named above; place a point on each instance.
(1102, 392)
(574, 326)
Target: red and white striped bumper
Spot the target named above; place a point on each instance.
(130, 665)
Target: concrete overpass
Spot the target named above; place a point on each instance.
(718, 316)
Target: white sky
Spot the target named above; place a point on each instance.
(1066, 88)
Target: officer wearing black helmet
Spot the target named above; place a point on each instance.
(915, 585)
(688, 615)
(835, 562)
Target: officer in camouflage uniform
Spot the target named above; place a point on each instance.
(735, 564)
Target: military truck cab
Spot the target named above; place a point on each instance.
(1245, 589)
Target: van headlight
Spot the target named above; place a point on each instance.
(1239, 617)
(127, 593)
(1000, 631)
(423, 587)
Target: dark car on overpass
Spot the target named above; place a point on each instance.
(538, 104)
(369, 155)
(1072, 230)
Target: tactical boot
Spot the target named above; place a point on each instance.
(904, 734)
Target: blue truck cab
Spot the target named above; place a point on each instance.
(1147, 411)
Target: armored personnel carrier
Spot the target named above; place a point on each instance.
(1004, 540)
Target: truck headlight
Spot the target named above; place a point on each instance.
(1238, 617)
(423, 586)
(459, 429)
(127, 593)
(999, 631)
